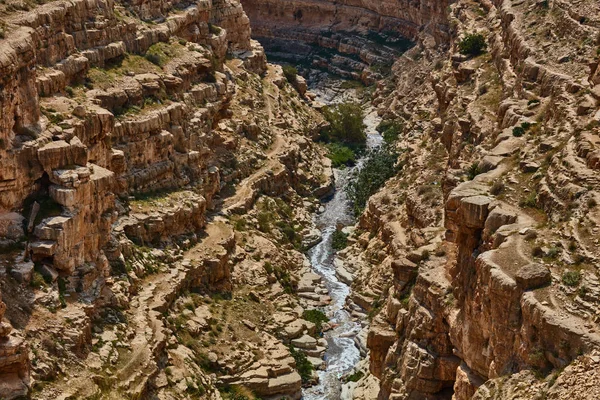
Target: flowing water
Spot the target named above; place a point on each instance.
(342, 354)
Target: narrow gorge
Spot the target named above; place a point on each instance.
(286, 199)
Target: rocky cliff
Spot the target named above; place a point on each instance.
(126, 127)
(487, 234)
(355, 39)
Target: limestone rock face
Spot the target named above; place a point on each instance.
(123, 126)
(14, 361)
(356, 34)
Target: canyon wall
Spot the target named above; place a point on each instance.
(478, 261)
(354, 39)
(125, 127)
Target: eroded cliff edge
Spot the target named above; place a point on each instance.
(479, 260)
(141, 144)
(353, 39)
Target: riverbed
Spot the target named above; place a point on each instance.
(342, 354)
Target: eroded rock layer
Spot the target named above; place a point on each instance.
(126, 127)
(354, 39)
(487, 234)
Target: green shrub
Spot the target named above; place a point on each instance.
(264, 221)
(340, 155)
(380, 165)
(530, 201)
(473, 171)
(355, 377)
(472, 45)
(518, 131)
(215, 30)
(571, 278)
(317, 317)
(339, 240)
(390, 130)
(268, 267)
(153, 58)
(304, 367)
(290, 72)
(346, 125)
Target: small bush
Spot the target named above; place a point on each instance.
(472, 45)
(390, 130)
(340, 155)
(37, 280)
(571, 278)
(268, 267)
(339, 240)
(518, 131)
(553, 252)
(317, 317)
(473, 171)
(537, 251)
(69, 90)
(591, 202)
(497, 188)
(355, 377)
(153, 58)
(264, 221)
(290, 73)
(215, 30)
(530, 201)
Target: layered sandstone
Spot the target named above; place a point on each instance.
(124, 127)
(354, 39)
(484, 228)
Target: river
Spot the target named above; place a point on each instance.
(342, 354)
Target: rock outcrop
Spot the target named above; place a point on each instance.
(480, 266)
(355, 39)
(125, 129)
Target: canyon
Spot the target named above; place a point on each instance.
(163, 188)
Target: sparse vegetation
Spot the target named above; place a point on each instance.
(530, 201)
(355, 377)
(390, 130)
(473, 170)
(304, 367)
(571, 278)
